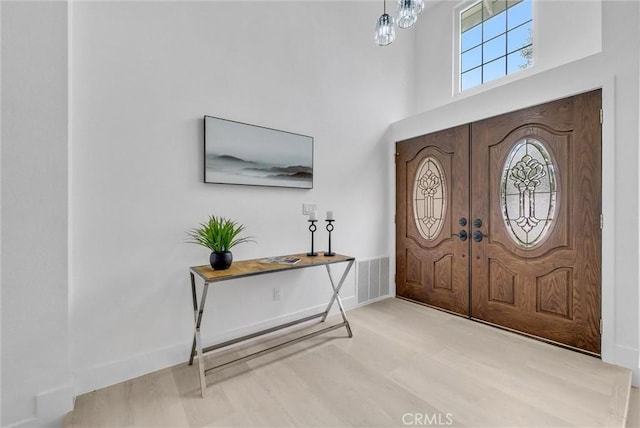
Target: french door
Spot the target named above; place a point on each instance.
(499, 220)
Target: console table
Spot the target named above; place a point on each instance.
(245, 268)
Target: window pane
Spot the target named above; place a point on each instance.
(517, 61)
(511, 3)
(494, 48)
(471, 78)
(494, 26)
(519, 37)
(471, 17)
(519, 13)
(495, 40)
(471, 38)
(493, 7)
(471, 59)
(494, 69)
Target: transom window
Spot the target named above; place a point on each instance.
(496, 39)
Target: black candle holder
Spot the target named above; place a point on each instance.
(312, 229)
(329, 253)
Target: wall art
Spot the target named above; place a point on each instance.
(240, 153)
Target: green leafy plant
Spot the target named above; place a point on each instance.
(219, 234)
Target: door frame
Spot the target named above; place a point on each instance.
(608, 276)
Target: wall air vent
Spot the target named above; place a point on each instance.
(372, 279)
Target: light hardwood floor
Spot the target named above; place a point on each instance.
(407, 365)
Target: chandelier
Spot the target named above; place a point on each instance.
(408, 11)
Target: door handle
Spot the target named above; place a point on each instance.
(477, 223)
(478, 236)
(462, 235)
(462, 222)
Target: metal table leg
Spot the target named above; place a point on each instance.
(197, 339)
(194, 297)
(336, 296)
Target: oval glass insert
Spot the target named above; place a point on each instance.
(429, 198)
(528, 191)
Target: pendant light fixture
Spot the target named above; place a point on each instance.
(407, 13)
(418, 5)
(385, 28)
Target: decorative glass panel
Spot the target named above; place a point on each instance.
(429, 198)
(528, 192)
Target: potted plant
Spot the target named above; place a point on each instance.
(219, 234)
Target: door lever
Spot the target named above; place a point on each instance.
(478, 236)
(462, 235)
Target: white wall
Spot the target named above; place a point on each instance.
(564, 31)
(143, 75)
(615, 69)
(36, 378)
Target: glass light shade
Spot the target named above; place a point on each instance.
(407, 14)
(418, 6)
(385, 30)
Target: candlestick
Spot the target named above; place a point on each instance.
(312, 229)
(330, 221)
(330, 215)
(313, 216)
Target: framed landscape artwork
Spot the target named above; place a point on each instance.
(239, 153)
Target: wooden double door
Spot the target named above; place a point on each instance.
(500, 220)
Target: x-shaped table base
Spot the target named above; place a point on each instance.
(256, 267)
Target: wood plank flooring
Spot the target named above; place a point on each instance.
(407, 365)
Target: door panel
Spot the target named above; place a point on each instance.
(432, 176)
(543, 283)
(528, 184)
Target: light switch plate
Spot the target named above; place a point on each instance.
(309, 207)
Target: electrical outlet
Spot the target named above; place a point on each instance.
(277, 294)
(309, 207)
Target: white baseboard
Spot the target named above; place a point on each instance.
(119, 371)
(377, 299)
(51, 407)
(629, 358)
(114, 372)
(26, 423)
(55, 402)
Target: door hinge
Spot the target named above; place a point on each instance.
(601, 222)
(601, 327)
(601, 116)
